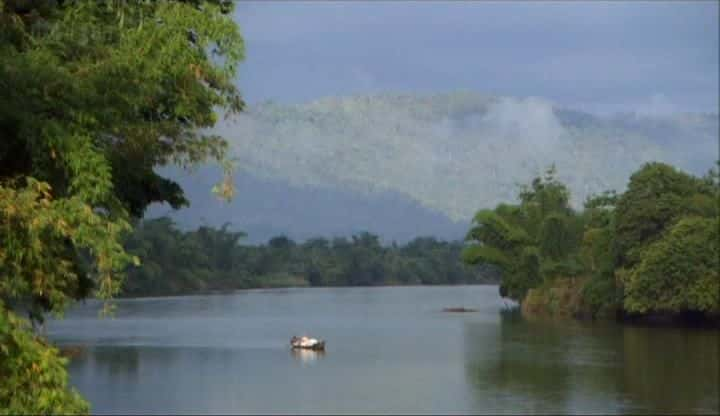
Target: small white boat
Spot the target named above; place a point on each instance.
(307, 343)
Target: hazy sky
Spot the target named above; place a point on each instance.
(655, 57)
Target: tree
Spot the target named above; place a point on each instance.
(528, 240)
(657, 196)
(555, 237)
(545, 195)
(99, 93)
(497, 239)
(34, 380)
(653, 249)
(177, 262)
(680, 272)
(93, 96)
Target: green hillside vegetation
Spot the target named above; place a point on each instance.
(652, 250)
(435, 147)
(211, 259)
(94, 95)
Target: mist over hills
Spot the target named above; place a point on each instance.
(428, 162)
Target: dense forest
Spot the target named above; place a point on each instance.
(652, 250)
(212, 259)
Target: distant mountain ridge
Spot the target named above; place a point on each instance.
(457, 152)
(266, 207)
(451, 153)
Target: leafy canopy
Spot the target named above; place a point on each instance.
(652, 249)
(527, 241)
(680, 272)
(34, 380)
(94, 95)
(657, 196)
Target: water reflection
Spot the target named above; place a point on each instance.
(392, 352)
(117, 361)
(525, 370)
(307, 356)
(548, 367)
(670, 370)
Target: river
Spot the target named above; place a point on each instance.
(389, 350)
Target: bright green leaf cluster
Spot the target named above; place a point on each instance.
(34, 380)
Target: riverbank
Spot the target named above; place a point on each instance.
(291, 286)
(564, 299)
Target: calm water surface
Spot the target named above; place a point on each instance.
(389, 350)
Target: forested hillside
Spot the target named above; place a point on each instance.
(457, 152)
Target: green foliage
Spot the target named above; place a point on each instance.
(33, 374)
(545, 195)
(657, 196)
(555, 239)
(41, 242)
(529, 240)
(569, 266)
(666, 238)
(209, 259)
(527, 274)
(597, 251)
(124, 88)
(486, 254)
(94, 95)
(497, 229)
(600, 296)
(652, 249)
(679, 272)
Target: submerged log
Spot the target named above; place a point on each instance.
(459, 309)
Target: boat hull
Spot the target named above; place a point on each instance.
(320, 346)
